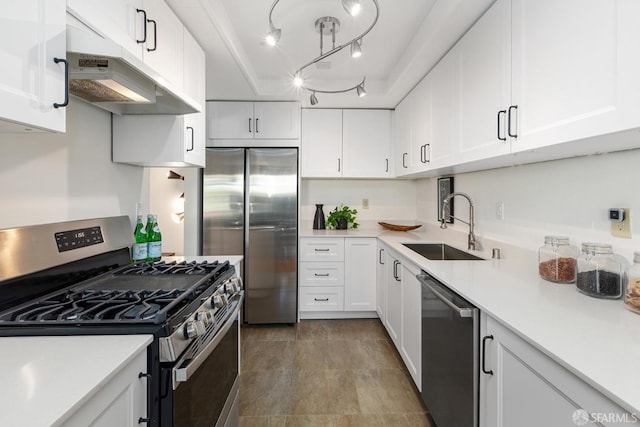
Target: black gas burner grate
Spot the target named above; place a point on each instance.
(162, 267)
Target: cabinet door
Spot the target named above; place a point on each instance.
(420, 132)
(402, 152)
(393, 320)
(33, 34)
(517, 366)
(194, 67)
(276, 120)
(114, 19)
(444, 116)
(381, 295)
(411, 329)
(164, 50)
(321, 143)
(571, 81)
(194, 145)
(360, 274)
(366, 143)
(230, 120)
(484, 85)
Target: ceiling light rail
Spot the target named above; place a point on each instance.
(331, 24)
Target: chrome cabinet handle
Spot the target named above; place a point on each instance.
(257, 128)
(192, 138)
(501, 138)
(338, 165)
(396, 276)
(386, 168)
(484, 349)
(155, 35)
(427, 160)
(380, 257)
(404, 160)
(511, 134)
(321, 275)
(249, 124)
(321, 250)
(321, 299)
(144, 28)
(66, 82)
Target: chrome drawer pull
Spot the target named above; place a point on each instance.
(321, 299)
(321, 250)
(321, 275)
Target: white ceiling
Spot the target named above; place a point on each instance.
(408, 40)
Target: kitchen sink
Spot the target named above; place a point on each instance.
(441, 252)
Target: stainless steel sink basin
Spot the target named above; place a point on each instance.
(441, 252)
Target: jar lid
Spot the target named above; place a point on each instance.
(597, 248)
(556, 240)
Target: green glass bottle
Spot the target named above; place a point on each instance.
(139, 251)
(154, 239)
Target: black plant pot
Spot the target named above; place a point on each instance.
(342, 224)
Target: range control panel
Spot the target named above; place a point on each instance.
(75, 239)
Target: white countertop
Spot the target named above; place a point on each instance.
(596, 339)
(46, 379)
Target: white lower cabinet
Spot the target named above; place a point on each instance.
(337, 274)
(411, 329)
(526, 388)
(403, 312)
(122, 401)
(381, 294)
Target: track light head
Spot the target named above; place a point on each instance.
(356, 49)
(360, 90)
(313, 99)
(352, 7)
(273, 37)
(173, 175)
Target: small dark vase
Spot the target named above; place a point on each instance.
(318, 219)
(342, 224)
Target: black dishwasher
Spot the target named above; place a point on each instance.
(450, 335)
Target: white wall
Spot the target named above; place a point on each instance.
(58, 177)
(567, 197)
(389, 200)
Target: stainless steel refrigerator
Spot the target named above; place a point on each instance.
(250, 208)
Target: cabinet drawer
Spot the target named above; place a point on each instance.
(322, 249)
(321, 273)
(322, 298)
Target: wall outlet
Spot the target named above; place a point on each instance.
(365, 203)
(622, 228)
(500, 211)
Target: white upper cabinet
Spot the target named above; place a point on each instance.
(118, 20)
(346, 143)
(484, 85)
(276, 120)
(574, 75)
(321, 151)
(403, 145)
(31, 82)
(366, 143)
(419, 134)
(444, 134)
(234, 120)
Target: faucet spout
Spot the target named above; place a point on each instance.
(471, 239)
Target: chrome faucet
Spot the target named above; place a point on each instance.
(471, 241)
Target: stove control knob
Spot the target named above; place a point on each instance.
(205, 317)
(217, 301)
(193, 329)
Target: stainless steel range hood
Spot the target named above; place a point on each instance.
(110, 77)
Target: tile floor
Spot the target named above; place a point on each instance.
(325, 373)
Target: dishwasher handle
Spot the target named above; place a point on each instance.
(462, 312)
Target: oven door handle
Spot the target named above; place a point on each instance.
(462, 312)
(183, 374)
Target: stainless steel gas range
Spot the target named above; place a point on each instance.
(75, 278)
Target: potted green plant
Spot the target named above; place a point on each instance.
(342, 217)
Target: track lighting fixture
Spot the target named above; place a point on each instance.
(327, 26)
(174, 175)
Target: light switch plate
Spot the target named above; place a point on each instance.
(623, 228)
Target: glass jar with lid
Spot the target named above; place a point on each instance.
(557, 260)
(632, 293)
(600, 272)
